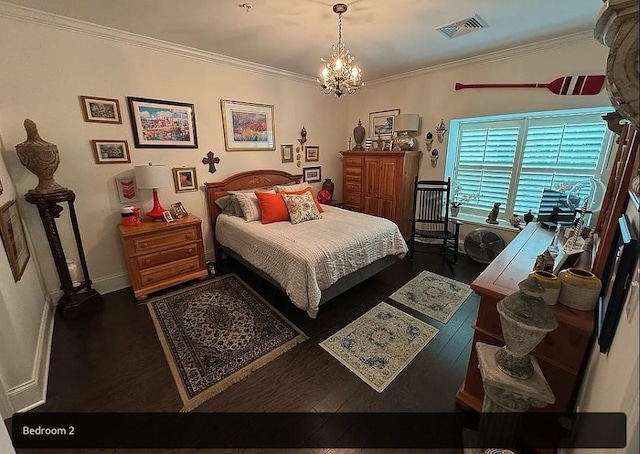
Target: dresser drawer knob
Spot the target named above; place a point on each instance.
(187, 236)
(143, 244)
(190, 250)
(146, 262)
(149, 279)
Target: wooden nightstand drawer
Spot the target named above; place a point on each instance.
(352, 186)
(169, 270)
(352, 162)
(351, 198)
(166, 239)
(162, 257)
(353, 172)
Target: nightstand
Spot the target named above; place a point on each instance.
(334, 203)
(163, 254)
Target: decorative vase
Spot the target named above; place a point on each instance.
(40, 158)
(329, 186)
(454, 210)
(551, 285)
(525, 320)
(528, 217)
(358, 135)
(580, 289)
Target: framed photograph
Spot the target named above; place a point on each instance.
(381, 123)
(287, 153)
(162, 124)
(127, 190)
(178, 210)
(623, 258)
(311, 174)
(14, 239)
(167, 216)
(185, 179)
(311, 153)
(247, 126)
(111, 151)
(100, 110)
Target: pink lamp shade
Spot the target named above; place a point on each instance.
(152, 176)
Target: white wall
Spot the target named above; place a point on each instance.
(26, 323)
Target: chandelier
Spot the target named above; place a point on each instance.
(339, 75)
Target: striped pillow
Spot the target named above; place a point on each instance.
(249, 204)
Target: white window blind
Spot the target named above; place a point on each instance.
(512, 161)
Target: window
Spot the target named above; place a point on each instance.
(510, 159)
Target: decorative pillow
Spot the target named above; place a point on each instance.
(303, 191)
(229, 205)
(249, 204)
(301, 207)
(292, 187)
(272, 207)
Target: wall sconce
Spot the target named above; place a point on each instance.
(428, 140)
(434, 157)
(441, 130)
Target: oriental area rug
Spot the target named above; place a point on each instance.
(379, 344)
(217, 332)
(433, 295)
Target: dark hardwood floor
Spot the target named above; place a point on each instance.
(113, 361)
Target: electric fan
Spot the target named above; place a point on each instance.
(482, 245)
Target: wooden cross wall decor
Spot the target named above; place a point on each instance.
(212, 161)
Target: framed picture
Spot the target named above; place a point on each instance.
(287, 153)
(127, 190)
(162, 124)
(167, 216)
(247, 126)
(178, 210)
(311, 174)
(311, 153)
(623, 258)
(14, 239)
(111, 151)
(185, 179)
(381, 123)
(100, 110)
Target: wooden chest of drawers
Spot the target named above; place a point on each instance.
(162, 254)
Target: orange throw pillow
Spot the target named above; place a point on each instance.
(302, 191)
(273, 207)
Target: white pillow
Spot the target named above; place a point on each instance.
(249, 204)
(292, 187)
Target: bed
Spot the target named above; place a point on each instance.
(313, 261)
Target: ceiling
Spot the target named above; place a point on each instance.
(386, 37)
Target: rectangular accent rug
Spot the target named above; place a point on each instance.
(433, 295)
(378, 345)
(217, 332)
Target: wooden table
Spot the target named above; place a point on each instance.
(560, 354)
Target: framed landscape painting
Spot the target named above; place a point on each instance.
(111, 151)
(287, 153)
(100, 110)
(247, 126)
(381, 123)
(312, 174)
(14, 239)
(162, 124)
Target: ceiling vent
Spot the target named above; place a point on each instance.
(463, 26)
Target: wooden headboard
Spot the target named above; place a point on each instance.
(239, 181)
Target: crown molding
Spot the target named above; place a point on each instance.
(20, 13)
(491, 57)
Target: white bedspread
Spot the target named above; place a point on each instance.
(309, 257)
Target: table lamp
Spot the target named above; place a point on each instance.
(403, 124)
(152, 176)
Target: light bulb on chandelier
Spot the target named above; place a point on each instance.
(340, 76)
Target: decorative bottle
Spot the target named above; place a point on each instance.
(528, 217)
(358, 135)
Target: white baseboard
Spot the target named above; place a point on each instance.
(34, 392)
(112, 283)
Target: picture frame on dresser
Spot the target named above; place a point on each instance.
(381, 123)
(616, 283)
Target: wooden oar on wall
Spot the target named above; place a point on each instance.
(567, 85)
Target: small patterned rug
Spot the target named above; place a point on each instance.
(217, 332)
(433, 295)
(379, 344)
